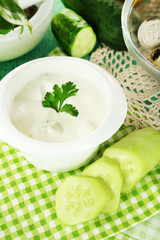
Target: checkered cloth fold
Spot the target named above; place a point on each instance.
(27, 201)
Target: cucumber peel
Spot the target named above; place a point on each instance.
(110, 172)
(80, 199)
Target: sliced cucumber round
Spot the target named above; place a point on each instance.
(80, 199)
(137, 154)
(110, 172)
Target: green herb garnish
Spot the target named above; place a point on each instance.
(56, 98)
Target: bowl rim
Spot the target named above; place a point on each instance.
(44, 9)
(104, 131)
(126, 10)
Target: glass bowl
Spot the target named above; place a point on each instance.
(134, 12)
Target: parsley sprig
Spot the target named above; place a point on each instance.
(56, 98)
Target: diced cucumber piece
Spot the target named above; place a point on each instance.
(74, 34)
(80, 199)
(56, 52)
(137, 154)
(110, 172)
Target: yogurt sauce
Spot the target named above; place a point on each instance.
(45, 124)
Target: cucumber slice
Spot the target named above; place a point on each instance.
(80, 199)
(74, 34)
(137, 154)
(110, 172)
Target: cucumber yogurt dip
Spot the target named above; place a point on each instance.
(31, 118)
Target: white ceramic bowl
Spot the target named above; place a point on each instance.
(13, 45)
(65, 155)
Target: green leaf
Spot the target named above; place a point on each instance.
(12, 12)
(69, 89)
(5, 27)
(56, 99)
(22, 29)
(68, 108)
(57, 91)
(50, 101)
(30, 29)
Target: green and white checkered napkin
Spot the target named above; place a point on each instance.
(27, 201)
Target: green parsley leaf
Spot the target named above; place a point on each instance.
(69, 109)
(56, 99)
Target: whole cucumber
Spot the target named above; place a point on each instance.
(105, 18)
(74, 34)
